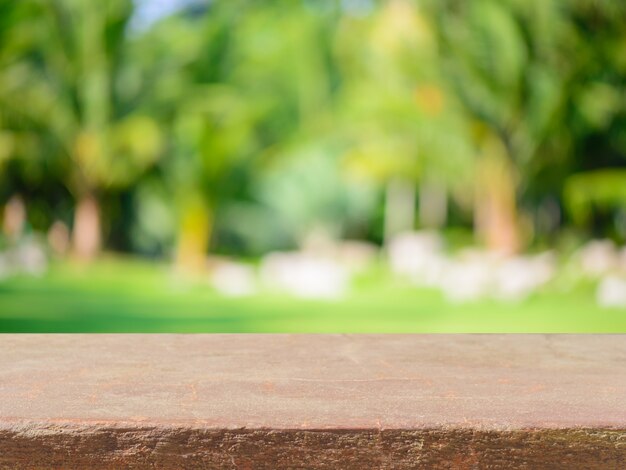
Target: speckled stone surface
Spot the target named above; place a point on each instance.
(312, 401)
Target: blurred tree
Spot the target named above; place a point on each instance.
(242, 85)
(75, 85)
(15, 42)
(506, 62)
(595, 179)
(212, 124)
(405, 127)
(288, 66)
(508, 108)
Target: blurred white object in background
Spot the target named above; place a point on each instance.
(418, 256)
(28, 256)
(516, 278)
(304, 275)
(234, 279)
(466, 279)
(475, 274)
(355, 255)
(611, 292)
(31, 258)
(598, 257)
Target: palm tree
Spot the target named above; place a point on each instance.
(505, 60)
(76, 91)
(402, 119)
(242, 83)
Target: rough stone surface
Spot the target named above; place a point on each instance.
(312, 401)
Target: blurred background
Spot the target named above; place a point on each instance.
(313, 165)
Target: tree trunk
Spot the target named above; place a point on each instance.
(496, 216)
(14, 218)
(399, 207)
(86, 234)
(195, 229)
(433, 205)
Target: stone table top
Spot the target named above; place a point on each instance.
(59, 384)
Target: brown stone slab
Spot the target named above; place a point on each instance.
(312, 401)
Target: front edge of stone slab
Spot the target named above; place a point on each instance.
(116, 446)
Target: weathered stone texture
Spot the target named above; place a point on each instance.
(312, 401)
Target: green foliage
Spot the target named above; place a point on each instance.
(296, 114)
(605, 189)
(67, 78)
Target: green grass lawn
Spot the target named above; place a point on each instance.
(117, 295)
